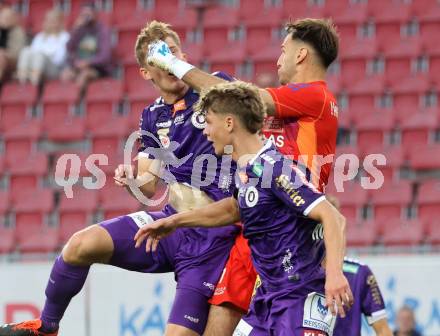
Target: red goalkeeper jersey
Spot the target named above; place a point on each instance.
(305, 126)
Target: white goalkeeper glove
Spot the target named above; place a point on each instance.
(160, 55)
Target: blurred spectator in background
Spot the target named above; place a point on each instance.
(46, 55)
(406, 323)
(89, 49)
(12, 40)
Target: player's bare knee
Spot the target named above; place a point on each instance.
(88, 246)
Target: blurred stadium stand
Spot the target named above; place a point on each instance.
(386, 78)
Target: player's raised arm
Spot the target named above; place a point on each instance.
(161, 56)
(220, 213)
(336, 285)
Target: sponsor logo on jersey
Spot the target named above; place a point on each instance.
(179, 106)
(267, 158)
(243, 329)
(318, 232)
(180, 119)
(163, 137)
(192, 319)
(375, 292)
(251, 196)
(283, 182)
(209, 285)
(287, 261)
(198, 120)
(141, 218)
(257, 169)
(317, 315)
(165, 124)
(309, 332)
(334, 109)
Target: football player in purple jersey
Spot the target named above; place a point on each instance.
(172, 148)
(280, 211)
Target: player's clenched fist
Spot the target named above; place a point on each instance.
(160, 55)
(122, 173)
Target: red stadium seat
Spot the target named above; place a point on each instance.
(4, 203)
(416, 128)
(110, 136)
(7, 240)
(395, 158)
(398, 232)
(425, 157)
(16, 102)
(37, 11)
(103, 97)
(391, 199)
(429, 199)
(59, 99)
(122, 9)
(265, 61)
(21, 140)
(217, 27)
(116, 201)
(228, 58)
(32, 233)
(361, 233)
(433, 231)
(76, 213)
(27, 174)
(352, 199)
(70, 129)
(373, 127)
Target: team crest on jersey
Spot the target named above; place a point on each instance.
(251, 196)
(163, 137)
(198, 120)
(317, 315)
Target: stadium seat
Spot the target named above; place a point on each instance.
(228, 58)
(27, 174)
(433, 231)
(76, 213)
(353, 69)
(32, 232)
(59, 99)
(138, 100)
(429, 199)
(103, 97)
(37, 11)
(416, 129)
(425, 157)
(373, 127)
(116, 201)
(122, 9)
(217, 27)
(265, 60)
(361, 233)
(391, 200)
(110, 136)
(399, 232)
(16, 102)
(68, 130)
(395, 159)
(7, 240)
(4, 204)
(352, 199)
(21, 140)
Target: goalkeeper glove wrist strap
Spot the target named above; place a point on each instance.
(179, 68)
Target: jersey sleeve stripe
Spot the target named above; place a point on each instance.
(314, 204)
(376, 316)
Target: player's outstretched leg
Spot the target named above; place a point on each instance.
(69, 273)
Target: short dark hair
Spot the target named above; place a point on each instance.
(237, 98)
(321, 34)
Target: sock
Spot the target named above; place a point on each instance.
(64, 283)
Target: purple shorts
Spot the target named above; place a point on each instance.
(288, 313)
(196, 256)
